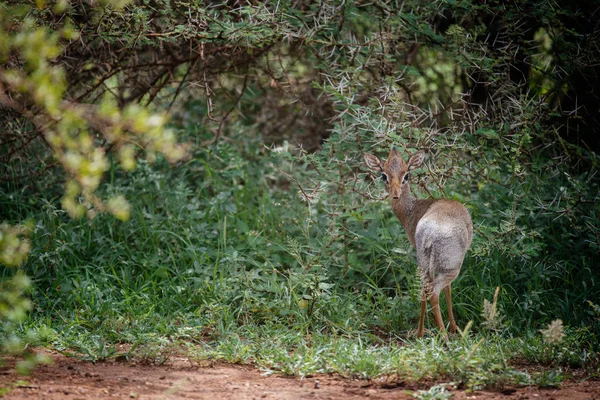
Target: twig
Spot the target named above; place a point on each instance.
(222, 123)
(307, 196)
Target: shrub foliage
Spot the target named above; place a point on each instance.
(272, 218)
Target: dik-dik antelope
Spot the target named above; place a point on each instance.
(440, 230)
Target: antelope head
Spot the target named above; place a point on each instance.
(394, 171)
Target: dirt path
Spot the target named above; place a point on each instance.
(69, 378)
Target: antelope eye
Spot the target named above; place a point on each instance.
(384, 178)
(405, 179)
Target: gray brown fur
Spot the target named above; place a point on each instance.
(440, 230)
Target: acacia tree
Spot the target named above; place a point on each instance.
(120, 56)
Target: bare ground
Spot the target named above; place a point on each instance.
(68, 378)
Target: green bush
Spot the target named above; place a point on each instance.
(273, 226)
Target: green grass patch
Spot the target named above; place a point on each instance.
(221, 260)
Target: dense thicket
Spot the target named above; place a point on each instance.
(544, 52)
(501, 95)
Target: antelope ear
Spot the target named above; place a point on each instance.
(416, 160)
(373, 162)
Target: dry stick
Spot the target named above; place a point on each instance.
(307, 196)
(222, 123)
(367, 195)
(311, 161)
(98, 84)
(496, 298)
(344, 220)
(156, 80)
(10, 103)
(7, 157)
(183, 80)
(156, 86)
(30, 175)
(119, 69)
(37, 120)
(207, 88)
